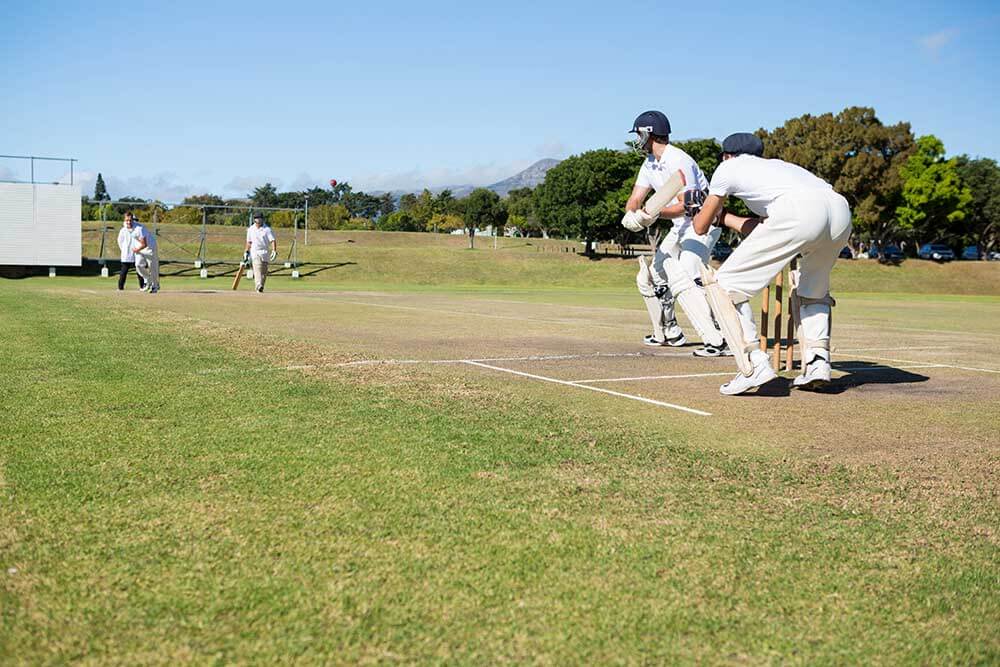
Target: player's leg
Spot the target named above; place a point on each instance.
(747, 271)
(154, 271)
(122, 276)
(259, 268)
(659, 305)
(815, 302)
(142, 269)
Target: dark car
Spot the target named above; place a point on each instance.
(721, 251)
(846, 253)
(939, 252)
(891, 255)
(971, 252)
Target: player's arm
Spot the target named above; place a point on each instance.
(675, 210)
(708, 215)
(141, 245)
(738, 223)
(637, 197)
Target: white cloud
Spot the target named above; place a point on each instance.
(932, 44)
(240, 186)
(417, 178)
(163, 186)
(552, 148)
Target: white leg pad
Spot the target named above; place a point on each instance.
(729, 321)
(814, 318)
(693, 301)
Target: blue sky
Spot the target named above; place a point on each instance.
(192, 97)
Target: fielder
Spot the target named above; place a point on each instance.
(262, 248)
(127, 256)
(675, 273)
(147, 261)
(804, 215)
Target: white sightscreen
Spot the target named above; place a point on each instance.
(39, 224)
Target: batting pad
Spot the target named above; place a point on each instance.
(729, 321)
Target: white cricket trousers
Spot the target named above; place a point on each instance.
(260, 265)
(147, 265)
(815, 223)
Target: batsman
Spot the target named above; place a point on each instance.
(675, 273)
(795, 213)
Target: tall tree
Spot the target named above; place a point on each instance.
(704, 151)
(407, 201)
(386, 204)
(100, 191)
(265, 196)
(933, 196)
(982, 177)
(855, 153)
(484, 209)
(584, 195)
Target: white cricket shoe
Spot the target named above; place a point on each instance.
(816, 373)
(762, 374)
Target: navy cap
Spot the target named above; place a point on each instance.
(656, 121)
(743, 143)
(258, 216)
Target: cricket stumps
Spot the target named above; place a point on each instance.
(785, 312)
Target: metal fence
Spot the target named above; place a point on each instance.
(192, 239)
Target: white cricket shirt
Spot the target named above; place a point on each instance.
(654, 173)
(260, 239)
(759, 182)
(139, 231)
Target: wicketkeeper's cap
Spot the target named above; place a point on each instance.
(258, 216)
(743, 143)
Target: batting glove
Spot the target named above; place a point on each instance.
(693, 199)
(636, 221)
(246, 257)
(273, 255)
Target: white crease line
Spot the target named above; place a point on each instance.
(598, 389)
(553, 357)
(930, 365)
(838, 350)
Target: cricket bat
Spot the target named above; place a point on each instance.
(239, 274)
(662, 197)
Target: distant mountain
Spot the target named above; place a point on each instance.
(528, 178)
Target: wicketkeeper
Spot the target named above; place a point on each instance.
(797, 213)
(261, 250)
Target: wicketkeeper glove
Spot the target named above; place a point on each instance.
(273, 255)
(693, 199)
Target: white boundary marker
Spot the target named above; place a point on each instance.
(588, 387)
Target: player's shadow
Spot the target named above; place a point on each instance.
(854, 374)
(859, 373)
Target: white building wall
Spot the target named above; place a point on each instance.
(40, 224)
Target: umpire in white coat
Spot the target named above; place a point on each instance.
(127, 256)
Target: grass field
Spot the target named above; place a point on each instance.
(414, 458)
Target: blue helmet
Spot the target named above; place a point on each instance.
(650, 124)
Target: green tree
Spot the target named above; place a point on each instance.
(265, 196)
(933, 196)
(100, 191)
(407, 201)
(445, 223)
(704, 151)
(386, 204)
(204, 200)
(584, 195)
(854, 152)
(982, 177)
(328, 216)
(444, 203)
(483, 209)
(400, 221)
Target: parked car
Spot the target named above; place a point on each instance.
(891, 255)
(993, 256)
(846, 253)
(971, 252)
(939, 252)
(721, 251)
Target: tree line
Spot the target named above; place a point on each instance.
(901, 188)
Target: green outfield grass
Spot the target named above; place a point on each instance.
(170, 491)
(402, 260)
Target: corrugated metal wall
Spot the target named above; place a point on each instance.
(39, 224)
